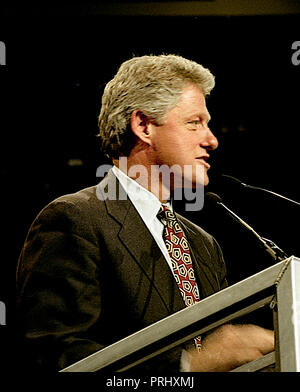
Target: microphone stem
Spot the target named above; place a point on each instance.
(271, 252)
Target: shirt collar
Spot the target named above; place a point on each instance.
(146, 203)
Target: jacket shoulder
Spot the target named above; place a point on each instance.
(195, 228)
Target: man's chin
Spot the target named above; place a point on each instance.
(196, 184)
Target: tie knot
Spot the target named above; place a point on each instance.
(165, 214)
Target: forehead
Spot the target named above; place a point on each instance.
(192, 103)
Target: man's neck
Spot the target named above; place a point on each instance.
(146, 175)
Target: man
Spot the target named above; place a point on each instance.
(97, 265)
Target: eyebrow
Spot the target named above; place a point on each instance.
(200, 115)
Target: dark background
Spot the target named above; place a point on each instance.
(57, 66)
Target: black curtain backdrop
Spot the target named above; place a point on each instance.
(51, 90)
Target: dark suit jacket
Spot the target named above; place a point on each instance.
(90, 273)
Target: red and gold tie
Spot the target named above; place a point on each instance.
(179, 252)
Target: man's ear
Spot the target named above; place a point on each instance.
(140, 126)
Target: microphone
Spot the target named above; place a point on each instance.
(272, 249)
(234, 180)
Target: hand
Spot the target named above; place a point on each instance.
(230, 346)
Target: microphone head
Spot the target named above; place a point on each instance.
(213, 197)
(233, 180)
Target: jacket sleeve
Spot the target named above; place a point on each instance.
(58, 291)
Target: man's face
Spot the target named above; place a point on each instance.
(185, 138)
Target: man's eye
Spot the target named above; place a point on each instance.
(194, 122)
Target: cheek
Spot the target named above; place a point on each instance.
(173, 145)
(163, 142)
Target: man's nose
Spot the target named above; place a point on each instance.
(210, 142)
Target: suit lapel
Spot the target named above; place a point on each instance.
(144, 250)
(140, 243)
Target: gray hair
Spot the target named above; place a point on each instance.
(151, 84)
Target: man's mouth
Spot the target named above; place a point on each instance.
(203, 160)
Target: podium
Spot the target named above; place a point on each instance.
(277, 287)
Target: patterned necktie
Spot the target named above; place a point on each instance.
(179, 252)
